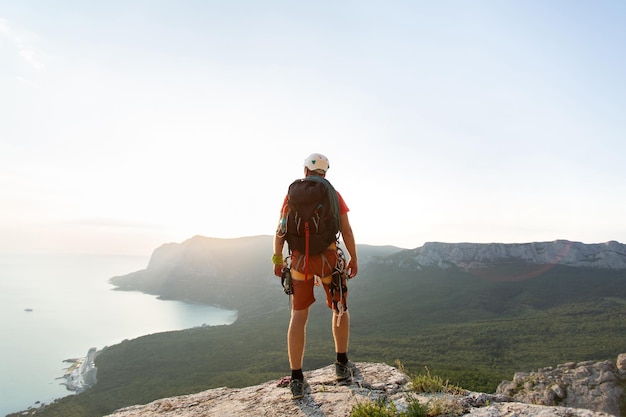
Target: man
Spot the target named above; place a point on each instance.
(304, 275)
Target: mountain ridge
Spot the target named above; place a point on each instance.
(464, 255)
(468, 256)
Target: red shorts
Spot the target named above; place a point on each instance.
(320, 267)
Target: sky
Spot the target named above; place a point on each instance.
(125, 125)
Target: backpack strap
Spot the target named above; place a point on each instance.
(307, 235)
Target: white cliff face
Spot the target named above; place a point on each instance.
(82, 375)
(609, 255)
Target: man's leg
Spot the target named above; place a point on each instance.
(341, 333)
(344, 369)
(296, 337)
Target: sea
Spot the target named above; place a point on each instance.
(55, 308)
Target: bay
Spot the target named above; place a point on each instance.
(56, 307)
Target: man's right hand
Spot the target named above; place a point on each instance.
(353, 268)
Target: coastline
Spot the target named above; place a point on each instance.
(35, 369)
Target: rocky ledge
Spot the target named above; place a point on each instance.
(594, 385)
(379, 381)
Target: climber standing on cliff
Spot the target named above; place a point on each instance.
(312, 216)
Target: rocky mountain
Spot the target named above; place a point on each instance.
(182, 270)
(575, 389)
(469, 256)
(215, 259)
(467, 280)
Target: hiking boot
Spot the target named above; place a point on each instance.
(344, 372)
(297, 387)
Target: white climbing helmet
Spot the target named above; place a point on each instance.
(317, 161)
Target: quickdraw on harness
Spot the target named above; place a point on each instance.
(286, 280)
(338, 285)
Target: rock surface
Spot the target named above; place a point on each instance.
(325, 398)
(593, 385)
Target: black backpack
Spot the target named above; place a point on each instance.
(313, 220)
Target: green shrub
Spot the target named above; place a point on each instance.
(414, 407)
(428, 383)
(379, 408)
(385, 408)
(423, 383)
(444, 407)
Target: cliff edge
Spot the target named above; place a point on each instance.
(376, 381)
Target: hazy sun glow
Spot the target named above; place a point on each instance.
(126, 126)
